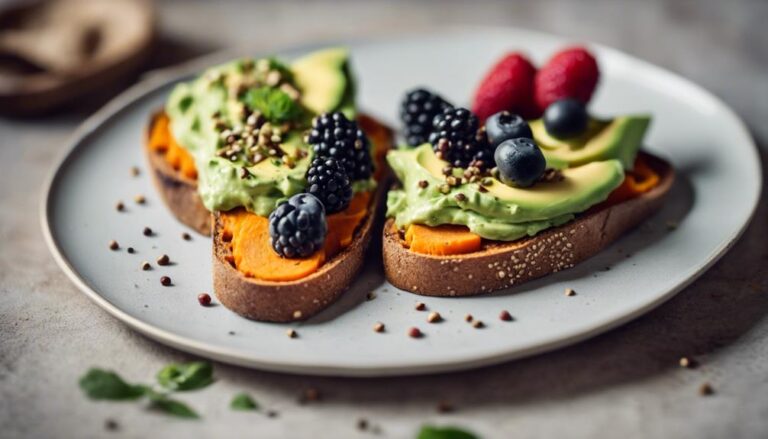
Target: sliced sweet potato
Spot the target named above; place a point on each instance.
(641, 179)
(253, 254)
(162, 140)
(441, 240)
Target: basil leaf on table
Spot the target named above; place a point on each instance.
(243, 401)
(432, 432)
(174, 407)
(104, 384)
(188, 376)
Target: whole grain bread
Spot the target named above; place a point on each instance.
(502, 265)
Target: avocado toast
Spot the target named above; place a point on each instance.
(487, 204)
(273, 161)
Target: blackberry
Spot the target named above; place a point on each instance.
(418, 109)
(334, 136)
(328, 181)
(456, 138)
(297, 228)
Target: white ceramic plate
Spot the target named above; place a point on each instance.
(717, 191)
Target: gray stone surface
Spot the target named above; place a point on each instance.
(625, 383)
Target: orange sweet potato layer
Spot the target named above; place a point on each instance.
(253, 255)
(161, 140)
(455, 240)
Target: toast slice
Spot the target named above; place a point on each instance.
(257, 299)
(501, 265)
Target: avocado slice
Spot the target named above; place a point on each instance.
(618, 138)
(325, 81)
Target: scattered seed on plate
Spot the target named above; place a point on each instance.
(120, 206)
(163, 260)
(310, 394)
(378, 327)
(706, 389)
(204, 299)
(165, 281)
(478, 324)
(297, 314)
(113, 245)
(291, 333)
(145, 266)
(272, 414)
(130, 250)
(434, 317)
(505, 316)
(569, 292)
(147, 231)
(135, 171)
(140, 199)
(420, 306)
(362, 424)
(468, 318)
(186, 236)
(444, 407)
(415, 332)
(687, 362)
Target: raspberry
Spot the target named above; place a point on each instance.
(507, 86)
(571, 73)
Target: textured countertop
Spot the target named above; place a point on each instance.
(626, 383)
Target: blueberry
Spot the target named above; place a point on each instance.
(566, 118)
(520, 162)
(505, 125)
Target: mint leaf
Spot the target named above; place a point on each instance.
(103, 384)
(274, 104)
(243, 401)
(189, 376)
(432, 432)
(173, 407)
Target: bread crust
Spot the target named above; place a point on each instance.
(502, 265)
(178, 191)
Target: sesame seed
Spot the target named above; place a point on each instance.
(362, 424)
(505, 316)
(378, 327)
(501, 274)
(570, 292)
(291, 333)
(420, 306)
(113, 245)
(297, 314)
(165, 281)
(414, 332)
(434, 317)
(163, 260)
(687, 362)
(140, 199)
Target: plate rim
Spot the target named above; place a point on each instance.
(165, 76)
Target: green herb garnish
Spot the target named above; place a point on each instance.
(103, 384)
(173, 407)
(274, 104)
(243, 401)
(432, 432)
(189, 376)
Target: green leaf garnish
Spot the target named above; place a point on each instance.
(189, 376)
(243, 401)
(432, 432)
(173, 407)
(103, 384)
(274, 104)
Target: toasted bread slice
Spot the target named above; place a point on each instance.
(254, 298)
(501, 265)
(178, 191)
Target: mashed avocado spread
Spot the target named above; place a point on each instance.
(244, 124)
(590, 169)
